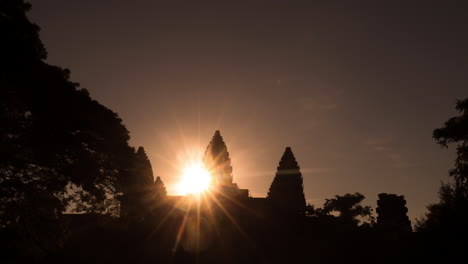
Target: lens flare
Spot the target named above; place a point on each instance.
(195, 179)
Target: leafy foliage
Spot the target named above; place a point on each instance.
(349, 207)
(451, 213)
(455, 130)
(54, 137)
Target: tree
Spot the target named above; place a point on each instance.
(59, 149)
(350, 208)
(439, 214)
(455, 130)
(451, 212)
(287, 191)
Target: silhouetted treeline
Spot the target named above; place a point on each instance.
(445, 226)
(61, 151)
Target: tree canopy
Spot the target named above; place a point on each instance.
(349, 208)
(455, 130)
(451, 212)
(60, 149)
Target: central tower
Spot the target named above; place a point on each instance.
(217, 161)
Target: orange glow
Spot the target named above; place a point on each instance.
(195, 179)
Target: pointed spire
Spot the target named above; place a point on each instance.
(141, 152)
(286, 191)
(217, 160)
(143, 167)
(159, 189)
(288, 161)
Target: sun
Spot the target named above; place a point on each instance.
(195, 179)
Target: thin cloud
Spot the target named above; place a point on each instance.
(382, 146)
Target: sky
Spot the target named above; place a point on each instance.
(354, 87)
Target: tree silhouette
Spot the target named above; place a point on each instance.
(439, 214)
(20, 49)
(54, 137)
(451, 213)
(455, 130)
(286, 191)
(349, 206)
(391, 212)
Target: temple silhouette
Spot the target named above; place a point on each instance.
(73, 189)
(285, 196)
(219, 223)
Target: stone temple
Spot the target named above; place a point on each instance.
(217, 161)
(286, 194)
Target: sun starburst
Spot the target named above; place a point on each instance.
(195, 179)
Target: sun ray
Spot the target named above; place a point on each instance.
(211, 214)
(229, 216)
(182, 227)
(236, 202)
(195, 179)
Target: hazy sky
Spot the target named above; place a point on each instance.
(354, 87)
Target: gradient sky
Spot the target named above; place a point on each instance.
(354, 87)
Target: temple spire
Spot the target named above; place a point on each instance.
(217, 161)
(286, 191)
(288, 161)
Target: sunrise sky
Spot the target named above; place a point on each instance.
(354, 87)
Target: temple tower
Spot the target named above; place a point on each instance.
(217, 161)
(286, 193)
(392, 213)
